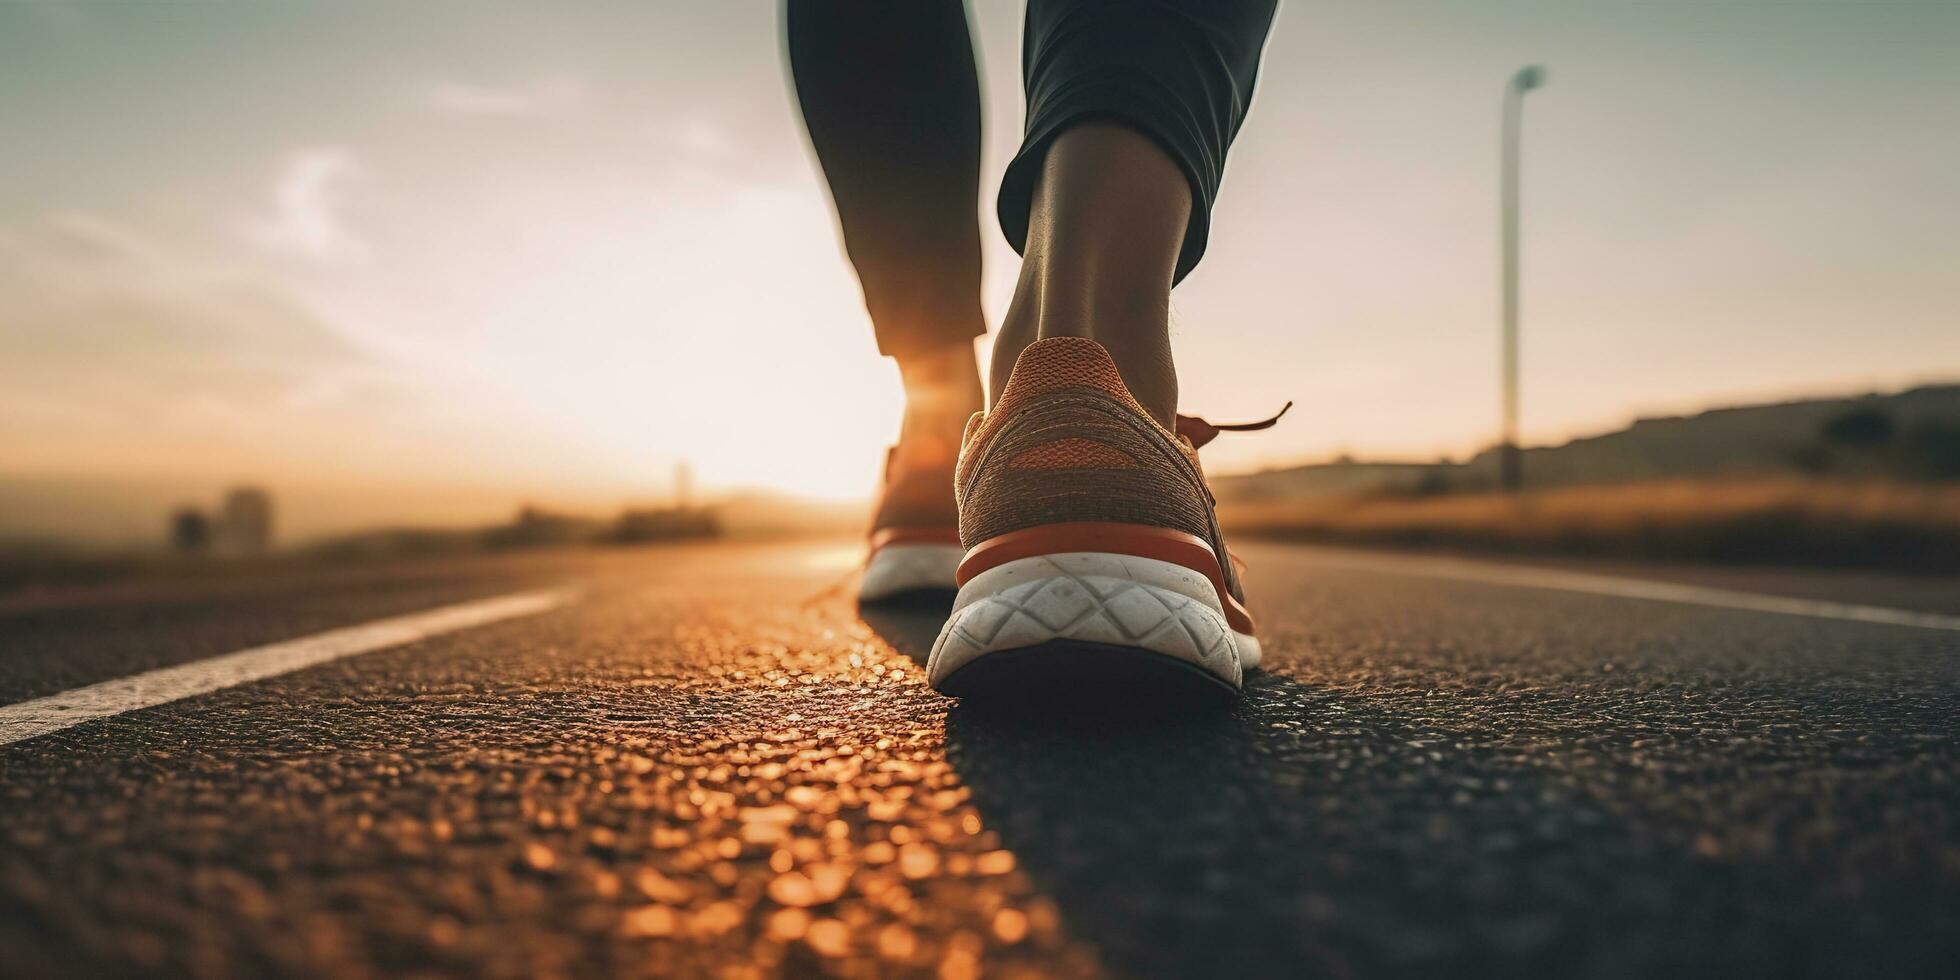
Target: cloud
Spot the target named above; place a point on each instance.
(63, 16)
(485, 100)
(307, 205)
(139, 351)
(703, 140)
(99, 321)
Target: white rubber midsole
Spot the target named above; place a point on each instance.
(1093, 597)
(899, 568)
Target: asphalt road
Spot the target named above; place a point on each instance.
(708, 762)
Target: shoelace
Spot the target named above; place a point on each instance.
(1200, 431)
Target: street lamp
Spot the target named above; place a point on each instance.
(1510, 458)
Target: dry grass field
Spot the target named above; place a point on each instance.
(1903, 526)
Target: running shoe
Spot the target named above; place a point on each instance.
(1093, 555)
(915, 535)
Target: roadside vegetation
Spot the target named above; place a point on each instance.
(1858, 523)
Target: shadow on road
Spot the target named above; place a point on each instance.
(1142, 823)
(909, 626)
(1153, 832)
(1369, 828)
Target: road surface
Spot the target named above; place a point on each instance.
(700, 759)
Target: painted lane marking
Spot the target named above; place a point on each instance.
(166, 684)
(1632, 588)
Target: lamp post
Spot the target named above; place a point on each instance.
(1510, 458)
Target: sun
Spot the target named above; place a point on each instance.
(721, 330)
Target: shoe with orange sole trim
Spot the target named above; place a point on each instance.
(1093, 554)
(915, 535)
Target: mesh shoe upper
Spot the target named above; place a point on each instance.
(1068, 443)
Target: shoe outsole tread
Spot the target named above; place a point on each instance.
(909, 573)
(1101, 600)
(1074, 671)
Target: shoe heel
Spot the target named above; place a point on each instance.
(1083, 616)
(898, 571)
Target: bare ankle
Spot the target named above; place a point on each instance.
(942, 389)
(1144, 361)
(1105, 230)
(948, 376)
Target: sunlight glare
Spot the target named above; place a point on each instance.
(720, 329)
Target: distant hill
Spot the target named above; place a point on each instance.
(1913, 434)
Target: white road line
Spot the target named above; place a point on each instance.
(1633, 588)
(163, 685)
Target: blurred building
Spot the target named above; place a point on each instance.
(682, 520)
(244, 524)
(190, 531)
(536, 527)
(638, 525)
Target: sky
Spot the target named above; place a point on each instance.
(551, 250)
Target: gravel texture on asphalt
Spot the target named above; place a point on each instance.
(712, 763)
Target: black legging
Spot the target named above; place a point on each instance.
(892, 101)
